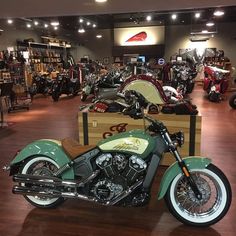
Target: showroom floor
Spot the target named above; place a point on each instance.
(57, 120)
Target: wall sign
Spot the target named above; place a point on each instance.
(137, 36)
(161, 61)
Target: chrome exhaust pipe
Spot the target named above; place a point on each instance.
(51, 181)
(40, 192)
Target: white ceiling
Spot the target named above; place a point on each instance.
(42, 8)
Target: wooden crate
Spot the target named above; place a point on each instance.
(95, 126)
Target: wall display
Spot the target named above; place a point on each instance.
(137, 36)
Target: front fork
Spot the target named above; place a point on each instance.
(182, 165)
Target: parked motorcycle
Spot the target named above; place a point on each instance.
(215, 82)
(166, 97)
(40, 84)
(64, 84)
(232, 101)
(104, 87)
(183, 79)
(120, 171)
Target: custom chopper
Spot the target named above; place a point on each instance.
(119, 171)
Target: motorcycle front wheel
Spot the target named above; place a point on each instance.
(55, 96)
(232, 101)
(42, 166)
(215, 202)
(83, 96)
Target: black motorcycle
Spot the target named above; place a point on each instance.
(41, 84)
(105, 87)
(63, 84)
(183, 79)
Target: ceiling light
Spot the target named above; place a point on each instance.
(149, 18)
(209, 24)
(45, 25)
(197, 15)
(100, 1)
(81, 30)
(218, 13)
(1, 30)
(204, 31)
(55, 23)
(81, 20)
(173, 16)
(28, 25)
(55, 28)
(9, 21)
(36, 22)
(94, 25)
(88, 23)
(99, 36)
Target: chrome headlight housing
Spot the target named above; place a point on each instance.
(178, 138)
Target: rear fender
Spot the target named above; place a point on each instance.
(47, 148)
(193, 162)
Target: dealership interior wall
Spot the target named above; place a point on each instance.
(176, 37)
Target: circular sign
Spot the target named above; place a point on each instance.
(161, 61)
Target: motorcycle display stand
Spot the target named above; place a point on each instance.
(94, 126)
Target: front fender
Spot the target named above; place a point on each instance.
(193, 162)
(45, 147)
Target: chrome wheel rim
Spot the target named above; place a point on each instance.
(213, 197)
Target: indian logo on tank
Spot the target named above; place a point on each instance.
(136, 145)
(128, 145)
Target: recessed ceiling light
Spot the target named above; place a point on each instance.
(209, 24)
(197, 15)
(173, 16)
(28, 25)
(100, 1)
(9, 21)
(149, 18)
(204, 31)
(55, 23)
(99, 36)
(36, 22)
(88, 23)
(55, 27)
(81, 20)
(45, 25)
(1, 30)
(94, 25)
(218, 13)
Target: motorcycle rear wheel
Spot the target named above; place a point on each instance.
(41, 166)
(215, 202)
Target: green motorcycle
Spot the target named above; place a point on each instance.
(120, 170)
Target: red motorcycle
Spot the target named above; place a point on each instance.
(215, 82)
